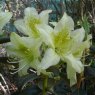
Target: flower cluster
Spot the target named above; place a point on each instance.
(62, 43)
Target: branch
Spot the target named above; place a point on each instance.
(4, 40)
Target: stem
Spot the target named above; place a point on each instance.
(45, 85)
(4, 40)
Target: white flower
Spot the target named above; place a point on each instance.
(66, 44)
(31, 19)
(25, 48)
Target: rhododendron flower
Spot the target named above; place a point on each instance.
(31, 19)
(66, 44)
(26, 49)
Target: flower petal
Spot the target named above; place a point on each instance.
(71, 74)
(31, 23)
(16, 40)
(4, 18)
(25, 47)
(66, 21)
(46, 34)
(20, 25)
(44, 16)
(31, 12)
(78, 34)
(53, 23)
(50, 59)
(74, 63)
(63, 42)
(23, 68)
(80, 47)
